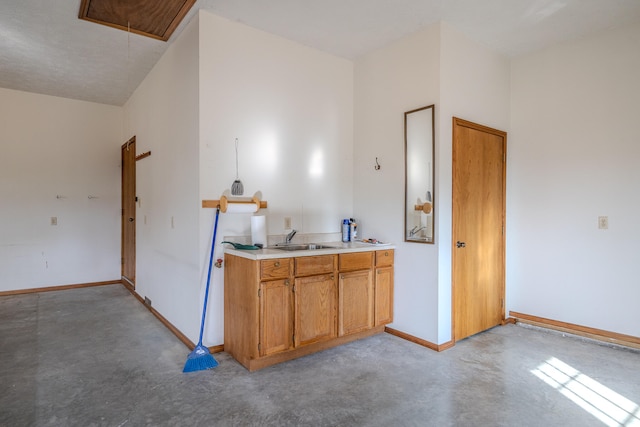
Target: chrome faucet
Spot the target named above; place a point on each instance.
(290, 236)
(415, 230)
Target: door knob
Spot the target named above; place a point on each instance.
(460, 244)
(130, 219)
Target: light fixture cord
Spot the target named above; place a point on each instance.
(128, 55)
(237, 158)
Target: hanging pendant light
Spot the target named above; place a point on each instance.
(237, 189)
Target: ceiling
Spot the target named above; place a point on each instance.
(45, 48)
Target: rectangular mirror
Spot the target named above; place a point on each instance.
(419, 174)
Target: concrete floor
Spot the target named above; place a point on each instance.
(97, 357)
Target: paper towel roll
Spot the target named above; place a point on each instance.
(259, 230)
(241, 208)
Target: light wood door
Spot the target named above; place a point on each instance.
(276, 326)
(383, 295)
(315, 309)
(128, 235)
(355, 302)
(479, 164)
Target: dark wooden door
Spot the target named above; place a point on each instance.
(128, 238)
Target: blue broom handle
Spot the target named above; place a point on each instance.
(206, 293)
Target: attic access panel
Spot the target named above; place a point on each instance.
(151, 18)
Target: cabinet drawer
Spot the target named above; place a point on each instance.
(355, 261)
(309, 265)
(279, 268)
(384, 258)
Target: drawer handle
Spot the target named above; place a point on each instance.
(386, 254)
(277, 264)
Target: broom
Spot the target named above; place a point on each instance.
(200, 358)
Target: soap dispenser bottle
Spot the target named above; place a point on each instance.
(353, 230)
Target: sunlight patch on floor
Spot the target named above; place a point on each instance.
(605, 404)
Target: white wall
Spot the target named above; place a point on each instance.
(574, 155)
(291, 107)
(400, 77)
(438, 66)
(58, 147)
(163, 115)
(475, 86)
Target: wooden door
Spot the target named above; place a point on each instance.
(355, 302)
(128, 238)
(479, 165)
(315, 309)
(276, 325)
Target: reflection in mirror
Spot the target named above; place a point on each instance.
(419, 173)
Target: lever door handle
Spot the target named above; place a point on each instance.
(460, 244)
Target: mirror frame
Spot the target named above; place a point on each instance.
(414, 205)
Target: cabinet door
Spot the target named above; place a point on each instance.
(315, 309)
(276, 332)
(355, 302)
(384, 295)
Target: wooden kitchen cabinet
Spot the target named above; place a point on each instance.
(276, 312)
(274, 296)
(384, 287)
(355, 292)
(283, 308)
(315, 299)
(315, 309)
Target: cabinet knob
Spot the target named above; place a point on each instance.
(332, 277)
(277, 264)
(386, 254)
(286, 282)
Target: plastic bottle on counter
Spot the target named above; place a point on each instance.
(346, 229)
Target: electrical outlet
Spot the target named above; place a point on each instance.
(603, 222)
(287, 222)
(54, 220)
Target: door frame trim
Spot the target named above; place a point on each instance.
(465, 123)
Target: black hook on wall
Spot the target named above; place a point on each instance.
(377, 166)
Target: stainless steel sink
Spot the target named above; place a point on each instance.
(295, 247)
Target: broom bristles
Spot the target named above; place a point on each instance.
(199, 360)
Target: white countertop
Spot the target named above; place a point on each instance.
(336, 248)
